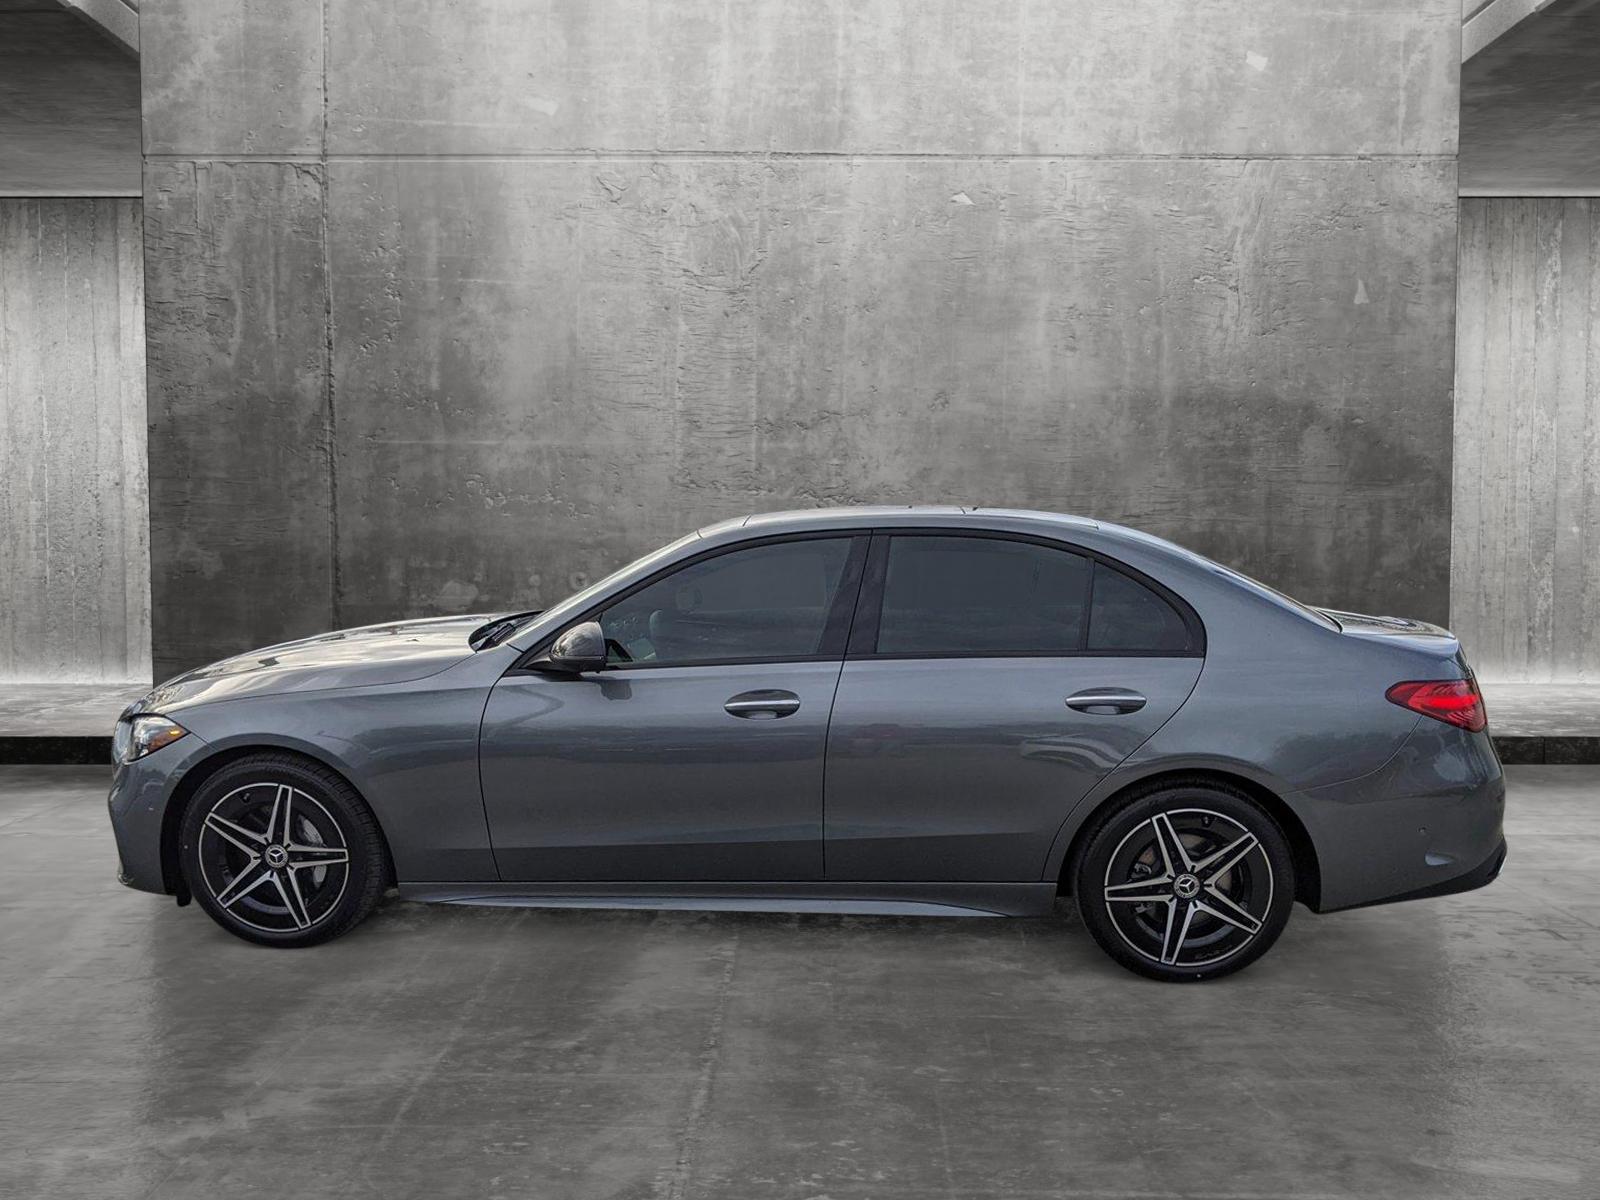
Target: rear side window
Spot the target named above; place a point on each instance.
(976, 596)
(1126, 615)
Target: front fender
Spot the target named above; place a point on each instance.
(411, 751)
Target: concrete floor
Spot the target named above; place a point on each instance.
(64, 709)
(1446, 1048)
(1542, 709)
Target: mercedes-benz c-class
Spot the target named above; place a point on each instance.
(936, 710)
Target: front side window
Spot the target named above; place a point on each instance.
(976, 596)
(763, 602)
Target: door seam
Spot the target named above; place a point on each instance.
(838, 680)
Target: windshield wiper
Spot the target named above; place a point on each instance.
(498, 630)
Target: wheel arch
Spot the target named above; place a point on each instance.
(1303, 851)
(195, 778)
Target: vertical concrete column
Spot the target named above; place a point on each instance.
(1525, 587)
(241, 475)
(74, 552)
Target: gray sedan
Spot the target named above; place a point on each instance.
(938, 711)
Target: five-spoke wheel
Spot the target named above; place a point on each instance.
(1185, 883)
(282, 851)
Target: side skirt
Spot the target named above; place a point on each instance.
(866, 899)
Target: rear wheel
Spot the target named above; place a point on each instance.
(281, 851)
(1186, 883)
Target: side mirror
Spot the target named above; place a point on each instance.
(581, 648)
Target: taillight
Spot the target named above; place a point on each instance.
(1455, 701)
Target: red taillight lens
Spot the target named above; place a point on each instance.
(1456, 701)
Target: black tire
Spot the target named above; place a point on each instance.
(272, 806)
(1169, 913)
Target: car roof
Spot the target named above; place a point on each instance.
(849, 516)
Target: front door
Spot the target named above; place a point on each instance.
(991, 683)
(697, 753)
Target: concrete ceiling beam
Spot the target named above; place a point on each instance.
(117, 19)
(1486, 21)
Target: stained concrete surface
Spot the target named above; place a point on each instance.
(239, 514)
(603, 77)
(727, 357)
(455, 306)
(1445, 1048)
(1009, 77)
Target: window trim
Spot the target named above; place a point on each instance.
(836, 627)
(863, 645)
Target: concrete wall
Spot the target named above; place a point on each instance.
(454, 307)
(1525, 584)
(74, 546)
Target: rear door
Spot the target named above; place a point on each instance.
(991, 682)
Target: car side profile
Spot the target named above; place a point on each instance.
(927, 710)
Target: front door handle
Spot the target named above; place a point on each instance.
(1106, 701)
(766, 704)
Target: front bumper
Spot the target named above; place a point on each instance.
(138, 802)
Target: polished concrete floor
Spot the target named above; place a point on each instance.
(1445, 1048)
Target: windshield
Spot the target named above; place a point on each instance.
(577, 600)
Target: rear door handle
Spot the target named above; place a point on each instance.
(766, 704)
(1106, 701)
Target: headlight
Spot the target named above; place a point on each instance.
(143, 735)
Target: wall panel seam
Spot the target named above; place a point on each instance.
(742, 155)
(332, 434)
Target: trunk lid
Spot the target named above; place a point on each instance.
(1433, 641)
(1366, 624)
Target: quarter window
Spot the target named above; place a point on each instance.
(1126, 615)
(977, 596)
(764, 602)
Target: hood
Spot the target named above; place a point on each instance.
(366, 657)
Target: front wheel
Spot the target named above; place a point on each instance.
(282, 851)
(1185, 883)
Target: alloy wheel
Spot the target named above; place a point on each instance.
(1188, 887)
(273, 857)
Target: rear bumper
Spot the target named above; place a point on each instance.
(1430, 822)
(1481, 875)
